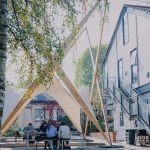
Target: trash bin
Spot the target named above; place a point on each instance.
(130, 136)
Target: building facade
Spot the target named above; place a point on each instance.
(39, 109)
(127, 70)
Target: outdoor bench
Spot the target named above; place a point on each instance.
(38, 139)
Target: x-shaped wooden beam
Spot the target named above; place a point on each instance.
(27, 96)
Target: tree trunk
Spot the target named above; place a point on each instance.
(3, 48)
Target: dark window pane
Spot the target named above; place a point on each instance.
(134, 66)
(134, 74)
(125, 29)
(121, 119)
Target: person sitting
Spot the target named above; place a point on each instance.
(64, 133)
(28, 132)
(16, 134)
(42, 135)
(42, 129)
(51, 133)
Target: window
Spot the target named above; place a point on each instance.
(121, 119)
(125, 28)
(120, 72)
(109, 112)
(1, 108)
(134, 67)
(60, 113)
(54, 111)
(39, 114)
(106, 75)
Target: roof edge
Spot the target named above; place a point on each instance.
(114, 33)
(117, 25)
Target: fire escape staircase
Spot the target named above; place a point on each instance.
(134, 107)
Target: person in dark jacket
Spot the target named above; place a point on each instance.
(42, 135)
(16, 134)
(43, 128)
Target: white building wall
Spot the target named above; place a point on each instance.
(124, 50)
(144, 49)
(120, 130)
(116, 53)
(130, 46)
(112, 61)
(28, 115)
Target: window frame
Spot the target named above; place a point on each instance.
(133, 65)
(121, 118)
(36, 120)
(125, 40)
(120, 71)
(60, 113)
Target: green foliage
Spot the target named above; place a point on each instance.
(84, 72)
(67, 122)
(92, 128)
(12, 128)
(102, 124)
(37, 31)
(84, 68)
(37, 34)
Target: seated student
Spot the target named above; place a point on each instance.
(42, 135)
(64, 133)
(16, 134)
(28, 131)
(51, 133)
(42, 129)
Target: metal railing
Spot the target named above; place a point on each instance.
(125, 102)
(134, 105)
(118, 95)
(137, 104)
(143, 107)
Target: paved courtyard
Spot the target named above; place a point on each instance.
(126, 147)
(101, 145)
(79, 149)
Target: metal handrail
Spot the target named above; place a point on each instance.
(139, 94)
(142, 99)
(118, 100)
(101, 79)
(125, 96)
(136, 91)
(105, 77)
